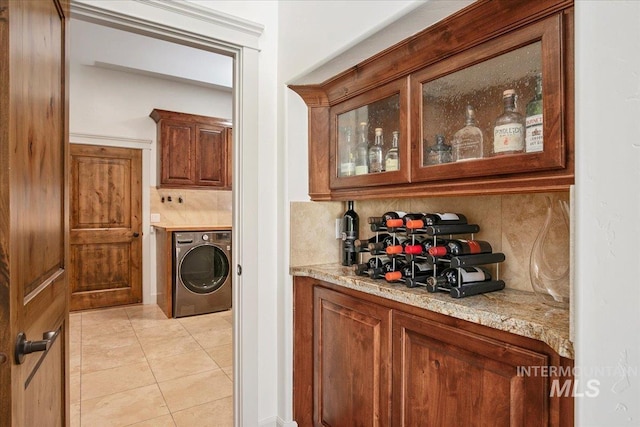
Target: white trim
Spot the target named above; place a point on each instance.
(110, 141)
(148, 18)
(277, 422)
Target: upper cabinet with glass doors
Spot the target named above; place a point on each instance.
(479, 103)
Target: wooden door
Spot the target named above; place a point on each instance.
(445, 376)
(106, 243)
(33, 213)
(352, 360)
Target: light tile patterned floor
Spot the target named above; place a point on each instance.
(133, 366)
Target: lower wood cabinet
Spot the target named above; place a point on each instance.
(361, 360)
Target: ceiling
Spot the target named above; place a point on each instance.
(105, 47)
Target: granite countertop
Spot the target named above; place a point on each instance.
(509, 310)
(192, 227)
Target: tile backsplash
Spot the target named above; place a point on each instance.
(510, 223)
(206, 207)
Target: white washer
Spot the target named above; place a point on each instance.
(202, 272)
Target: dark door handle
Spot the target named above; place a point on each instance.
(136, 234)
(24, 347)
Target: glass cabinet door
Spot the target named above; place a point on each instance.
(494, 109)
(368, 138)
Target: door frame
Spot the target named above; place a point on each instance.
(224, 34)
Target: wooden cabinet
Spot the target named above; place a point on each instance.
(194, 151)
(364, 360)
(422, 86)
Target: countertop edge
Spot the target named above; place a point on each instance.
(196, 227)
(506, 314)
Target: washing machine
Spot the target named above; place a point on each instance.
(202, 272)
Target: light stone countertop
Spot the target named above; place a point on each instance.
(518, 312)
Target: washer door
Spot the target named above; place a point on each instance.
(204, 269)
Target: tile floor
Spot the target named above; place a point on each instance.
(132, 366)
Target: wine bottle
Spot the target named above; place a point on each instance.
(392, 159)
(428, 219)
(467, 142)
(383, 244)
(533, 122)
(393, 218)
(373, 262)
(364, 243)
(362, 151)
(422, 247)
(350, 227)
(375, 153)
(414, 270)
(461, 247)
(386, 267)
(508, 132)
(454, 277)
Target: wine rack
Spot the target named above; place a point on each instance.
(393, 262)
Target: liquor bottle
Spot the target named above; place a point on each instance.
(348, 156)
(508, 132)
(467, 142)
(392, 159)
(364, 243)
(362, 151)
(454, 277)
(533, 122)
(438, 153)
(375, 153)
(373, 262)
(350, 227)
(388, 219)
(436, 218)
(461, 247)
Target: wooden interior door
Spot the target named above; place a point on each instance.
(33, 214)
(106, 212)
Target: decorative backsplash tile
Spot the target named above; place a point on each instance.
(510, 223)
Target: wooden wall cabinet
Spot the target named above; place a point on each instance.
(364, 360)
(468, 58)
(194, 151)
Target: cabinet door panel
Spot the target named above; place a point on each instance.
(446, 376)
(352, 361)
(211, 152)
(178, 146)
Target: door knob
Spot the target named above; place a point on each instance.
(136, 234)
(24, 347)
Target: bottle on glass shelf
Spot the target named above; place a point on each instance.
(533, 122)
(361, 244)
(438, 153)
(375, 153)
(437, 218)
(454, 277)
(467, 142)
(350, 227)
(362, 151)
(508, 132)
(392, 159)
(461, 247)
(348, 155)
(373, 262)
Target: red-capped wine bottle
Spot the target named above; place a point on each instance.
(428, 219)
(421, 247)
(364, 243)
(393, 218)
(461, 247)
(411, 269)
(398, 248)
(454, 277)
(350, 229)
(386, 267)
(390, 240)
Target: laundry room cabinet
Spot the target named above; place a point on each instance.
(194, 151)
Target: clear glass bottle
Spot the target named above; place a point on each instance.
(508, 132)
(362, 151)
(439, 153)
(533, 122)
(375, 153)
(392, 160)
(347, 155)
(467, 142)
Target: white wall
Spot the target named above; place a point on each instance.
(608, 210)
